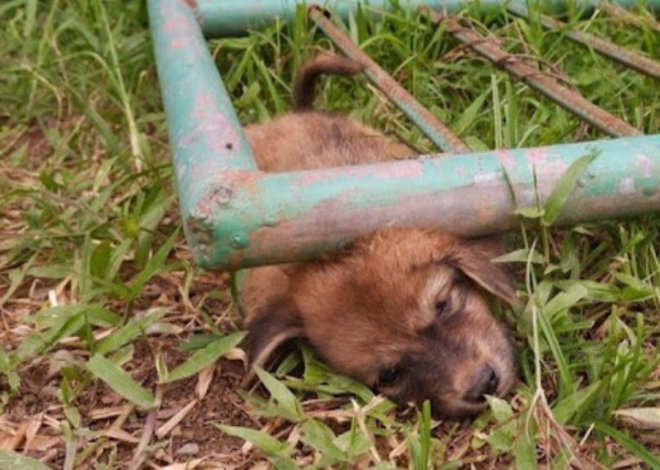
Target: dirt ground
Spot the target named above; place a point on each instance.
(111, 430)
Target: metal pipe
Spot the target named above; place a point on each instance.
(273, 218)
(236, 216)
(222, 18)
(621, 13)
(237, 17)
(564, 97)
(431, 126)
(617, 53)
(204, 133)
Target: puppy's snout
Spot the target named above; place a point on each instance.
(485, 382)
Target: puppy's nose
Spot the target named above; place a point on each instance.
(485, 382)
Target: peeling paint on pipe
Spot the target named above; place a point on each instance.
(276, 218)
(224, 18)
(204, 133)
(235, 216)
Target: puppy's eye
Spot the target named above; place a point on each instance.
(441, 307)
(389, 376)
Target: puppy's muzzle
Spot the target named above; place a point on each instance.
(485, 382)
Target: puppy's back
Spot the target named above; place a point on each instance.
(308, 139)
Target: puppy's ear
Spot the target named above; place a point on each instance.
(273, 326)
(474, 258)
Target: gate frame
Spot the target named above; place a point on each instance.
(237, 216)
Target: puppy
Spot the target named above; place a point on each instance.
(403, 310)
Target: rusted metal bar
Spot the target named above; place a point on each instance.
(617, 53)
(223, 18)
(204, 133)
(565, 97)
(621, 13)
(274, 218)
(236, 216)
(236, 17)
(431, 126)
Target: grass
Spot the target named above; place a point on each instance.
(110, 333)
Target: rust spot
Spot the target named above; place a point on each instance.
(216, 129)
(385, 170)
(196, 11)
(538, 156)
(200, 236)
(645, 164)
(505, 157)
(217, 195)
(180, 31)
(627, 187)
(179, 43)
(221, 194)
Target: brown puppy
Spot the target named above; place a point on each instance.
(402, 310)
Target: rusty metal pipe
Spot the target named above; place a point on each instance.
(617, 53)
(236, 216)
(626, 16)
(431, 126)
(223, 18)
(273, 218)
(204, 133)
(564, 97)
(236, 17)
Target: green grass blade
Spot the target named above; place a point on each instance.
(286, 400)
(120, 381)
(268, 444)
(564, 187)
(319, 436)
(497, 112)
(525, 451)
(425, 436)
(41, 342)
(572, 404)
(17, 276)
(419, 444)
(567, 382)
(563, 301)
(14, 461)
(133, 329)
(653, 461)
(205, 357)
(154, 265)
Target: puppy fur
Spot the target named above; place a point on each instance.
(405, 311)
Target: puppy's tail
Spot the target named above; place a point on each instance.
(308, 75)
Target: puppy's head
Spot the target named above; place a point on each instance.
(404, 311)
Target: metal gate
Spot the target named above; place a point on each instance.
(236, 216)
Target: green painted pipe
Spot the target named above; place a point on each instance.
(223, 18)
(283, 217)
(204, 133)
(235, 216)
